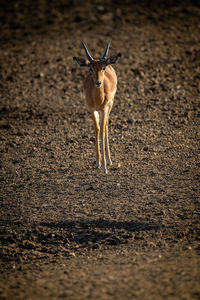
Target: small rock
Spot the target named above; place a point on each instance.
(100, 8)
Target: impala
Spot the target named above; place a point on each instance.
(100, 87)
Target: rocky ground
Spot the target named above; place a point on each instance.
(68, 231)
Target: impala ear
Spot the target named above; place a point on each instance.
(113, 59)
(80, 61)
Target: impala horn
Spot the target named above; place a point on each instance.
(89, 57)
(106, 51)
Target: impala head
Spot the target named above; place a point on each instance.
(97, 67)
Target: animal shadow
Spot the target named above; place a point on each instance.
(99, 231)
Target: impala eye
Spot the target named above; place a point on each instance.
(103, 68)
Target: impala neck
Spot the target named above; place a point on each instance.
(99, 92)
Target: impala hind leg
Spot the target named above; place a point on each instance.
(95, 117)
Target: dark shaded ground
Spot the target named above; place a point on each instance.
(67, 231)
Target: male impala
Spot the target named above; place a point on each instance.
(100, 87)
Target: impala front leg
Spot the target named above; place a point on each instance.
(102, 133)
(108, 159)
(95, 117)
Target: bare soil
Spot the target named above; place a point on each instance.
(68, 231)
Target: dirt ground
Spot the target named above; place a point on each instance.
(67, 230)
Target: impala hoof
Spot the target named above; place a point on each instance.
(105, 171)
(98, 165)
(109, 162)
